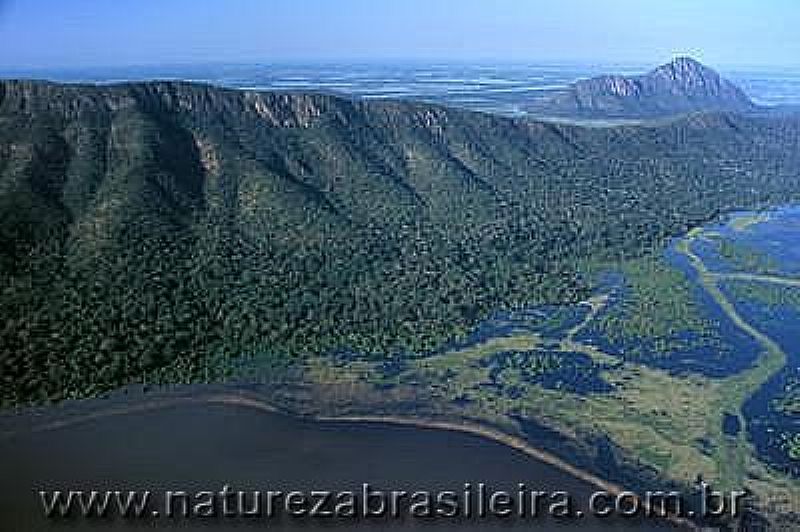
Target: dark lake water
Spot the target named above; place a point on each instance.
(195, 447)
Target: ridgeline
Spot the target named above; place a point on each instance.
(157, 232)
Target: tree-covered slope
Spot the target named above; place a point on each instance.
(155, 231)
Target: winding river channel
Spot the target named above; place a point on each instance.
(204, 438)
(772, 266)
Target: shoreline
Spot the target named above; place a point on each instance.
(252, 401)
(498, 436)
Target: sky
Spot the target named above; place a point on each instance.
(81, 33)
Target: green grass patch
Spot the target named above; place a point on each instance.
(771, 295)
(660, 304)
(744, 257)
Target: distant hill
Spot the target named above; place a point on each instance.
(153, 232)
(679, 87)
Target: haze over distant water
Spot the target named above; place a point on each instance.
(498, 88)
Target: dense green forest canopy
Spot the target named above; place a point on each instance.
(159, 230)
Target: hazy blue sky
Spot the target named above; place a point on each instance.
(68, 33)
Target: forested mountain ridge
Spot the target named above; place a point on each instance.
(681, 86)
(157, 230)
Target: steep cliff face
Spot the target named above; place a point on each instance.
(679, 87)
(154, 231)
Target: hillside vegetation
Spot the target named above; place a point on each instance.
(158, 231)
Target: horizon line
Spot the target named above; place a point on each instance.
(431, 61)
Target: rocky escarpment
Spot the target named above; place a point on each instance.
(679, 87)
(156, 232)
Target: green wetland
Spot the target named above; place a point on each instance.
(657, 377)
(679, 365)
(391, 260)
